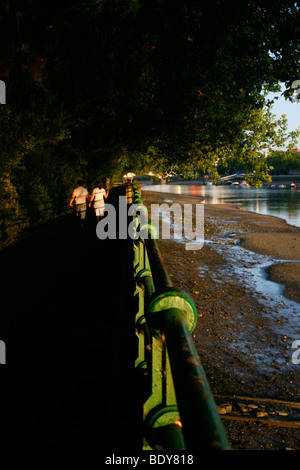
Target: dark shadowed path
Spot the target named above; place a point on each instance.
(68, 323)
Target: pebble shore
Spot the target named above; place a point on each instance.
(245, 285)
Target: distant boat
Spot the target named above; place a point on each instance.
(235, 184)
(244, 184)
(282, 186)
(208, 183)
(293, 186)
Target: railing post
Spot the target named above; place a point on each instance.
(179, 410)
(202, 425)
(160, 406)
(128, 189)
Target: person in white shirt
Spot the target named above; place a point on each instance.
(81, 196)
(98, 196)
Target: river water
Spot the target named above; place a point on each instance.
(284, 203)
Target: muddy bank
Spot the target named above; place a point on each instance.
(281, 245)
(259, 233)
(246, 326)
(287, 274)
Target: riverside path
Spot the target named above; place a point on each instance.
(70, 346)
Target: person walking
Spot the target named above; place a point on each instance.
(81, 197)
(98, 196)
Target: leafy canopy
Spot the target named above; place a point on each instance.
(99, 87)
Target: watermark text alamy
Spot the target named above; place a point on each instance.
(183, 223)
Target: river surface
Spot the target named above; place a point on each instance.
(284, 203)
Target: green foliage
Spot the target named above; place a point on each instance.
(283, 161)
(262, 133)
(12, 219)
(96, 88)
(177, 78)
(36, 171)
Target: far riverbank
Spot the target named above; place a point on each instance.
(276, 179)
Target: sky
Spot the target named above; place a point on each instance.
(291, 110)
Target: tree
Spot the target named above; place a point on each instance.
(110, 85)
(172, 80)
(262, 135)
(284, 161)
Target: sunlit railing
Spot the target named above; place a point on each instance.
(179, 411)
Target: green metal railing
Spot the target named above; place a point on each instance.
(179, 410)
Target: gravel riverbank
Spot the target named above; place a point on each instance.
(246, 323)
